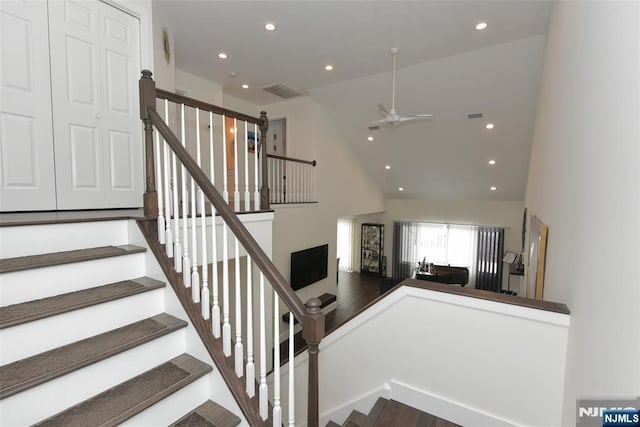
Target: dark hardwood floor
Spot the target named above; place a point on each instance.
(354, 292)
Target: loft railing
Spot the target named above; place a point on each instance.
(291, 180)
(198, 244)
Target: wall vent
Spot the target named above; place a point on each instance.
(282, 90)
(374, 127)
(475, 116)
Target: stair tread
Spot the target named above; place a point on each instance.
(396, 413)
(29, 372)
(332, 424)
(208, 414)
(17, 314)
(357, 419)
(133, 396)
(28, 262)
(377, 409)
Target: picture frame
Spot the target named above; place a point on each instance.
(538, 234)
(252, 141)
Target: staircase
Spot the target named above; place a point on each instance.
(85, 337)
(387, 413)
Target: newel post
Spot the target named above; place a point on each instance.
(313, 332)
(147, 88)
(264, 189)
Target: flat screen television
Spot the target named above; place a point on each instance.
(308, 266)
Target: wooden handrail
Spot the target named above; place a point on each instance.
(245, 238)
(195, 103)
(292, 159)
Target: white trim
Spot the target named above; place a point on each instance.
(443, 408)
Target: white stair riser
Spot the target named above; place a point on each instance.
(40, 239)
(45, 334)
(54, 396)
(28, 285)
(173, 407)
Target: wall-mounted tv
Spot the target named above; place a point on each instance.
(308, 266)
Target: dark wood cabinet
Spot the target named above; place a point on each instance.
(372, 249)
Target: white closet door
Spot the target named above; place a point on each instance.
(26, 140)
(95, 64)
(121, 125)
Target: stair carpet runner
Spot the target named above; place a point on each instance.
(126, 399)
(388, 413)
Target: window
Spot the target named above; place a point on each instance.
(345, 243)
(474, 247)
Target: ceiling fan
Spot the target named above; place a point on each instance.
(392, 117)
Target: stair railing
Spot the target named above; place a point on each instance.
(164, 158)
(291, 180)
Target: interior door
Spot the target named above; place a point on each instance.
(98, 145)
(26, 140)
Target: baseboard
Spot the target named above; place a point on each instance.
(443, 408)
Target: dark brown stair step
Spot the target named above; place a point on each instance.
(39, 309)
(123, 401)
(209, 414)
(8, 265)
(332, 424)
(357, 419)
(26, 373)
(399, 414)
(377, 409)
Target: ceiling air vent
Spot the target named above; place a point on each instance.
(282, 90)
(475, 116)
(375, 127)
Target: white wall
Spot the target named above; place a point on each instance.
(584, 178)
(474, 212)
(198, 88)
(343, 189)
(480, 356)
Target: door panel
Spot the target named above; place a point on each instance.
(100, 165)
(121, 125)
(26, 142)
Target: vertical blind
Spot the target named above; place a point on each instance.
(469, 246)
(346, 244)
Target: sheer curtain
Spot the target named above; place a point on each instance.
(442, 244)
(346, 244)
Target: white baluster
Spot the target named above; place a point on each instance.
(270, 175)
(239, 351)
(251, 375)
(168, 239)
(256, 146)
(247, 195)
(226, 326)
(292, 394)
(277, 410)
(195, 276)
(263, 390)
(225, 191)
(159, 186)
(177, 248)
(195, 279)
(186, 264)
(215, 309)
(236, 193)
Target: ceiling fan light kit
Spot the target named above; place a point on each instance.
(392, 117)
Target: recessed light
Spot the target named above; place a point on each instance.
(328, 67)
(370, 138)
(245, 86)
(222, 55)
(481, 26)
(493, 188)
(489, 125)
(492, 162)
(270, 26)
(387, 167)
(400, 189)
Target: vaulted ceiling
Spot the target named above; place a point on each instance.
(445, 67)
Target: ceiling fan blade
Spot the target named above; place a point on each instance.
(377, 122)
(383, 109)
(425, 116)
